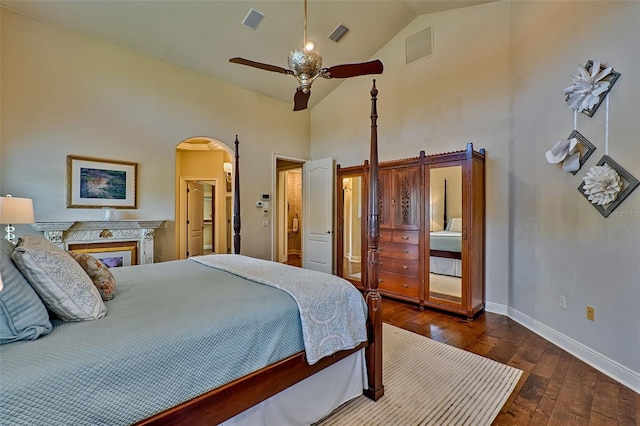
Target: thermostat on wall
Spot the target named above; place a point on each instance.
(266, 197)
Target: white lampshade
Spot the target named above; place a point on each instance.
(16, 210)
(13, 211)
(228, 167)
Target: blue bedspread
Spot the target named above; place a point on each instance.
(446, 241)
(173, 331)
(332, 310)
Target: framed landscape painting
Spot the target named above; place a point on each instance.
(97, 183)
(113, 257)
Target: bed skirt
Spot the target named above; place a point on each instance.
(445, 266)
(310, 400)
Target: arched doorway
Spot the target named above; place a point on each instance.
(204, 174)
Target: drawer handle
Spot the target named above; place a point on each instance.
(405, 267)
(405, 285)
(404, 237)
(405, 251)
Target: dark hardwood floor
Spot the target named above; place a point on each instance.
(555, 389)
(294, 260)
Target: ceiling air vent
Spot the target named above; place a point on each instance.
(253, 18)
(419, 46)
(339, 33)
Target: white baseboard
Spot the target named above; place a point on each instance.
(496, 308)
(600, 362)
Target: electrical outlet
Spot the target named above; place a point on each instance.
(591, 313)
(563, 302)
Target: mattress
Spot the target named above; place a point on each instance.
(173, 331)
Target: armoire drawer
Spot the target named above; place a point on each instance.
(386, 236)
(399, 266)
(404, 251)
(406, 237)
(399, 284)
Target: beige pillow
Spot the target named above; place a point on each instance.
(59, 280)
(100, 275)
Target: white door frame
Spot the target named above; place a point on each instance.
(274, 190)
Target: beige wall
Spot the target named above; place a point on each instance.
(496, 79)
(66, 93)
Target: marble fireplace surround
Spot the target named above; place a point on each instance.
(64, 233)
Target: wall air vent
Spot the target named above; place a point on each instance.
(253, 18)
(419, 45)
(339, 33)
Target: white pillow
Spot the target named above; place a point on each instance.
(455, 224)
(60, 281)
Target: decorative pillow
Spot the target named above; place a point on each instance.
(23, 316)
(61, 283)
(100, 275)
(455, 225)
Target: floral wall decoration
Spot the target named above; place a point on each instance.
(606, 185)
(590, 86)
(573, 152)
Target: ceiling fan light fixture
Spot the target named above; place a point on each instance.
(305, 63)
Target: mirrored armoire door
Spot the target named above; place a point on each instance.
(351, 244)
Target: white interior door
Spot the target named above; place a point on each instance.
(195, 215)
(317, 215)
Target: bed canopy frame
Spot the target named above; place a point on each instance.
(222, 403)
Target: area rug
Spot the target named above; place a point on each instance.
(430, 383)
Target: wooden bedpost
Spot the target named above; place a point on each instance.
(236, 203)
(374, 301)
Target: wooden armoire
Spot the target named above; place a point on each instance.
(432, 229)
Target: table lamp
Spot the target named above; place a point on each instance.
(14, 210)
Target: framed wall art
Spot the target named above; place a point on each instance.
(114, 257)
(585, 147)
(97, 183)
(606, 185)
(590, 87)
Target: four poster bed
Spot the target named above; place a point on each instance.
(219, 339)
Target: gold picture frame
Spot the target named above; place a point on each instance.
(97, 183)
(113, 257)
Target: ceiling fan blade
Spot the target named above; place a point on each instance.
(353, 70)
(300, 99)
(260, 65)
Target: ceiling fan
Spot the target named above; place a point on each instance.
(306, 65)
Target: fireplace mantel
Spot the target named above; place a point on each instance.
(63, 233)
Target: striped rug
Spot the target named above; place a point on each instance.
(430, 383)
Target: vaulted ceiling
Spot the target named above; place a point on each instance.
(203, 35)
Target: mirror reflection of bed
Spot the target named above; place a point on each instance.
(445, 238)
(352, 226)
